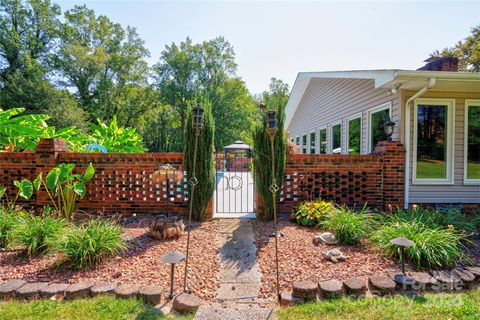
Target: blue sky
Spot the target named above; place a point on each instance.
(279, 39)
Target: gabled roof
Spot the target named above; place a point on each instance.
(382, 78)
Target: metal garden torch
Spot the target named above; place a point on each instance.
(272, 130)
(197, 124)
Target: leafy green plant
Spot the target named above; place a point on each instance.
(309, 213)
(25, 190)
(433, 246)
(349, 226)
(21, 131)
(36, 233)
(8, 219)
(76, 141)
(115, 138)
(67, 187)
(91, 243)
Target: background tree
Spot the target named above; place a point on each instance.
(467, 51)
(205, 172)
(275, 99)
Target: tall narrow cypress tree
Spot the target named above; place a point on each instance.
(204, 168)
(262, 160)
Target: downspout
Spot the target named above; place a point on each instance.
(431, 83)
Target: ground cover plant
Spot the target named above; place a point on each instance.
(309, 213)
(106, 307)
(89, 244)
(464, 306)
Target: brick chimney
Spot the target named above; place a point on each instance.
(441, 64)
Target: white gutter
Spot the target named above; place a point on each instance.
(431, 83)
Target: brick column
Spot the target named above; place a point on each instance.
(393, 154)
(46, 158)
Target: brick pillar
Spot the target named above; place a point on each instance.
(393, 154)
(46, 158)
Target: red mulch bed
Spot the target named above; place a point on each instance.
(300, 259)
(140, 264)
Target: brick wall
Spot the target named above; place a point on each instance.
(124, 182)
(350, 179)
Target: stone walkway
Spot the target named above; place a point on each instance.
(239, 276)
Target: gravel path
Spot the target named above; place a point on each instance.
(299, 259)
(140, 264)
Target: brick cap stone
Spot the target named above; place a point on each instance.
(10, 286)
(151, 293)
(54, 289)
(127, 290)
(287, 299)
(78, 290)
(103, 287)
(355, 285)
(30, 290)
(186, 303)
(305, 289)
(331, 288)
(382, 284)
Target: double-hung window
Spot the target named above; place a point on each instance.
(336, 137)
(322, 140)
(472, 142)
(304, 143)
(354, 134)
(313, 141)
(433, 141)
(376, 120)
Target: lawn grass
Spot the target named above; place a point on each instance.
(430, 170)
(101, 308)
(464, 306)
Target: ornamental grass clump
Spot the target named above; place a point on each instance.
(36, 233)
(8, 219)
(347, 225)
(434, 247)
(89, 244)
(309, 213)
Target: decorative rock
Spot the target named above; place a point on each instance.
(151, 293)
(127, 290)
(186, 303)
(102, 288)
(54, 289)
(447, 281)
(334, 255)
(287, 299)
(78, 290)
(356, 286)
(422, 280)
(8, 287)
(475, 271)
(464, 275)
(331, 288)
(30, 290)
(381, 284)
(306, 290)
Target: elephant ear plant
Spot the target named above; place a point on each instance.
(64, 187)
(25, 190)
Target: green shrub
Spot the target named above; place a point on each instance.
(91, 243)
(36, 233)
(309, 213)
(349, 226)
(433, 246)
(437, 219)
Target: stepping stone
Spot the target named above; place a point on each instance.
(331, 288)
(447, 281)
(186, 303)
(237, 291)
(403, 282)
(127, 290)
(151, 293)
(306, 290)
(466, 276)
(382, 284)
(78, 290)
(8, 287)
(102, 288)
(30, 291)
(287, 299)
(422, 280)
(54, 289)
(356, 286)
(232, 313)
(475, 271)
